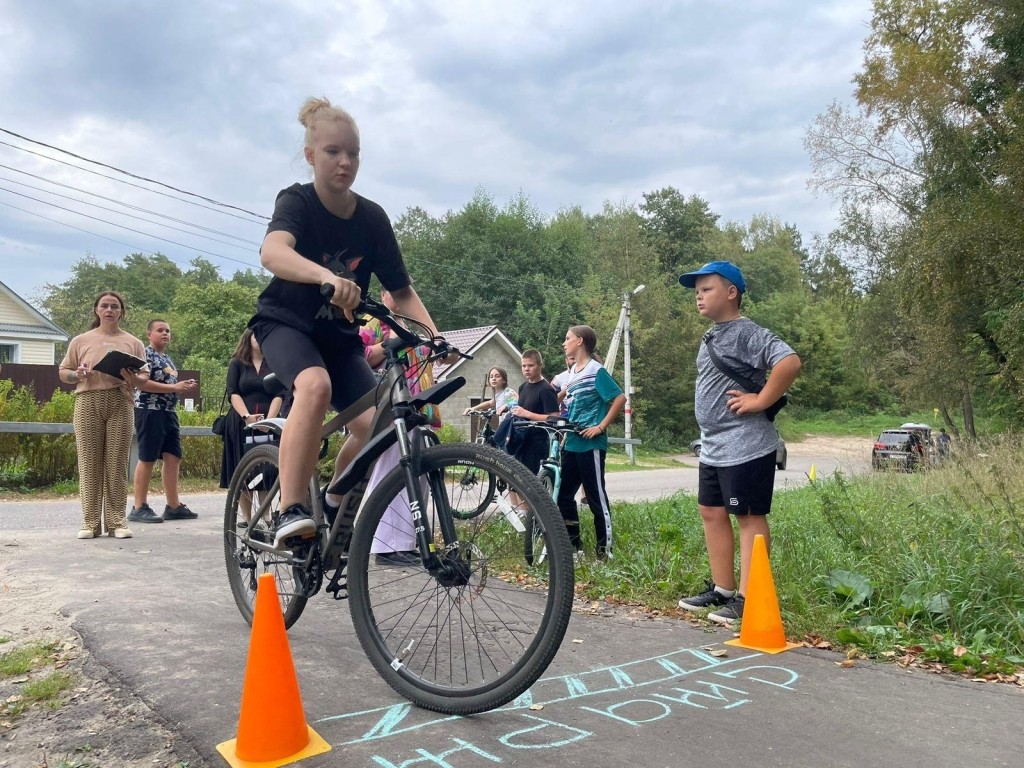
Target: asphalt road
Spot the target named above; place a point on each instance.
(624, 689)
(642, 485)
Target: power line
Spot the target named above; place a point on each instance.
(126, 205)
(121, 226)
(130, 184)
(86, 231)
(122, 213)
(132, 175)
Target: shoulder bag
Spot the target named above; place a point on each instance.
(772, 410)
(221, 422)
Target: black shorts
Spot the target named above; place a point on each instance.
(289, 351)
(743, 489)
(531, 458)
(158, 433)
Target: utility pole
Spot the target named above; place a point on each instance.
(622, 329)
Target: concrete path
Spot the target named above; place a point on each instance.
(624, 689)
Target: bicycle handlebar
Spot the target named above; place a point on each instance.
(407, 338)
(551, 425)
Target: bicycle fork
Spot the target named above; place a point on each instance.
(409, 460)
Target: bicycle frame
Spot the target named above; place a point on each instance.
(390, 425)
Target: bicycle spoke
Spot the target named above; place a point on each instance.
(482, 623)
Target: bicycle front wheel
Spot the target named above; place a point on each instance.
(253, 484)
(479, 631)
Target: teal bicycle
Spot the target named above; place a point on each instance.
(550, 474)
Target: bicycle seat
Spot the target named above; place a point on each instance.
(274, 386)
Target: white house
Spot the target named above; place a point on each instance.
(489, 348)
(26, 335)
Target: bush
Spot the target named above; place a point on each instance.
(450, 434)
(32, 461)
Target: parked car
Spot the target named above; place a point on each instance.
(904, 449)
(781, 454)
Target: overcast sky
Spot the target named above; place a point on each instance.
(572, 103)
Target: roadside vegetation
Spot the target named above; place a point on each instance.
(32, 675)
(915, 568)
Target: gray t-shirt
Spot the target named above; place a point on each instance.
(726, 438)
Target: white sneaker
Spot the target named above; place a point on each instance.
(86, 533)
(122, 533)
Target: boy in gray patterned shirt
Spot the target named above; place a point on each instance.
(738, 442)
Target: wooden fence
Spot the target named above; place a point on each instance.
(44, 379)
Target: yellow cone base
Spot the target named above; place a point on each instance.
(738, 642)
(316, 746)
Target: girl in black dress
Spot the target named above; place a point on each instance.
(249, 403)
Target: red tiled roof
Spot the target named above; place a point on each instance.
(463, 340)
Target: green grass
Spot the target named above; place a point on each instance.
(48, 690)
(20, 661)
(795, 424)
(942, 554)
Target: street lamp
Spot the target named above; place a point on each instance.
(622, 328)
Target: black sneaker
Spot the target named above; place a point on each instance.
(398, 559)
(144, 514)
(294, 522)
(730, 613)
(180, 512)
(709, 598)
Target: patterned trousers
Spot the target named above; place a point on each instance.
(104, 420)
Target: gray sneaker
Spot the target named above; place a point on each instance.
(180, 512)
(709, 598)
(729, 613)
(144, 514)
(293, 525)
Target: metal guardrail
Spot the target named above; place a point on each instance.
(47, 428)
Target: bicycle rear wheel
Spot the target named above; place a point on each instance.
(256, 478)
(481, 630)
(473, 493)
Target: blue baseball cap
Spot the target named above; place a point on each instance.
(725, 269)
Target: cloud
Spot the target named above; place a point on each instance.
(574, 104)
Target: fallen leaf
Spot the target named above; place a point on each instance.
(846, 663)
(720, 652)
(959, 651)
(536, 707)
(577, 640)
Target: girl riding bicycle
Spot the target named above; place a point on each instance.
(503, 400)
(323, 233)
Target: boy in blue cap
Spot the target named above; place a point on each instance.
(738, 442)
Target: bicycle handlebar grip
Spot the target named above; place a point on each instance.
(327, 290)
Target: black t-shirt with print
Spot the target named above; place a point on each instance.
(364, 245)
(537, 397)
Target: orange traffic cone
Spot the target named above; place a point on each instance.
(761, 627)
(272, 728)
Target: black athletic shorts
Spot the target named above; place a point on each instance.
(288, 352)
(743, 489)
(531, 458)
(158, 433)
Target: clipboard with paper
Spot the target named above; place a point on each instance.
(115, 360)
